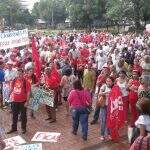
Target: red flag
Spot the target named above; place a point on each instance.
(36, 60)
(115, 117)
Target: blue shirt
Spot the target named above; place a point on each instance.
(2, 74)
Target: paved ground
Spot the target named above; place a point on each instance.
(67, 140)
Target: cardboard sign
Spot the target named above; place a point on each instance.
(37, 146)
(40, 95)
(36, 95)
(47, 97)
(14, 141)
(46, 137)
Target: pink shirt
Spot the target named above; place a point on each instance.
(78, 99)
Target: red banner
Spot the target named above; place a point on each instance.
(36, 60)
(115, 117)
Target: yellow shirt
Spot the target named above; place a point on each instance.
(89, 79)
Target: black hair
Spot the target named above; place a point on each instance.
(123, 72)
(112, 79)
(29, 59)
(20, 70)
(68, 72)
(77, 85)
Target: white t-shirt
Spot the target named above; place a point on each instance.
(123, 86)
(105, 88)
(100, 62)
(143, 120)
(75, 53)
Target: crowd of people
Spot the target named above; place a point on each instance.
(82, 69)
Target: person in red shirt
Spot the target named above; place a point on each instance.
(20, 91)
(52, 82)
(136, 66)
(133, 84)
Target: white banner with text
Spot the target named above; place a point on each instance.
(14, 39)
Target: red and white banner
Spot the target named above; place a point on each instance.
(115, 117)
(13, 141)
(14, 39)
(46, 137)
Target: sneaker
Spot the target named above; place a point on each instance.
(48, 119)
(24, 131)
(52, 121)
(74, 132)
(102, 138)
(11, 131)
(84, 138)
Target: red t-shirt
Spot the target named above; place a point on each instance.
(21, 87)
(53, 80)
(133, 95)
(85, 52)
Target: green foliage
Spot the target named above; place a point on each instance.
(82, 13)
(119, 10)
(13, 12)
(52, 11)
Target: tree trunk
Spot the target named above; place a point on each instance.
(137, 14)
(118, 27)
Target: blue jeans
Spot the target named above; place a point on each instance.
(79, 115)
(103, 117)
(96, 114)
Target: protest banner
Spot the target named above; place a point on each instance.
(14, 141)
(40, 95)
(47, 97)
(37, 146)
(148, 28)
(14, 39)
(36, 94)
(115, 118)
(46, 137)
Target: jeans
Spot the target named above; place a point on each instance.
(19, 108)
(103, 118)
(96, 114)
(79, 115)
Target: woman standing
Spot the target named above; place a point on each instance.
(104, 92)
(122, 82)
(78, 100)
(31, 78)
(133, 96)
(67, 85)
(143, 124)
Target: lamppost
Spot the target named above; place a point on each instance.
(9, 17)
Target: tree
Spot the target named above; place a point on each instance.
(9, 10)
(84, 12)
(52, 11)
(25, 17)
(145, 11)
(14, 12)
